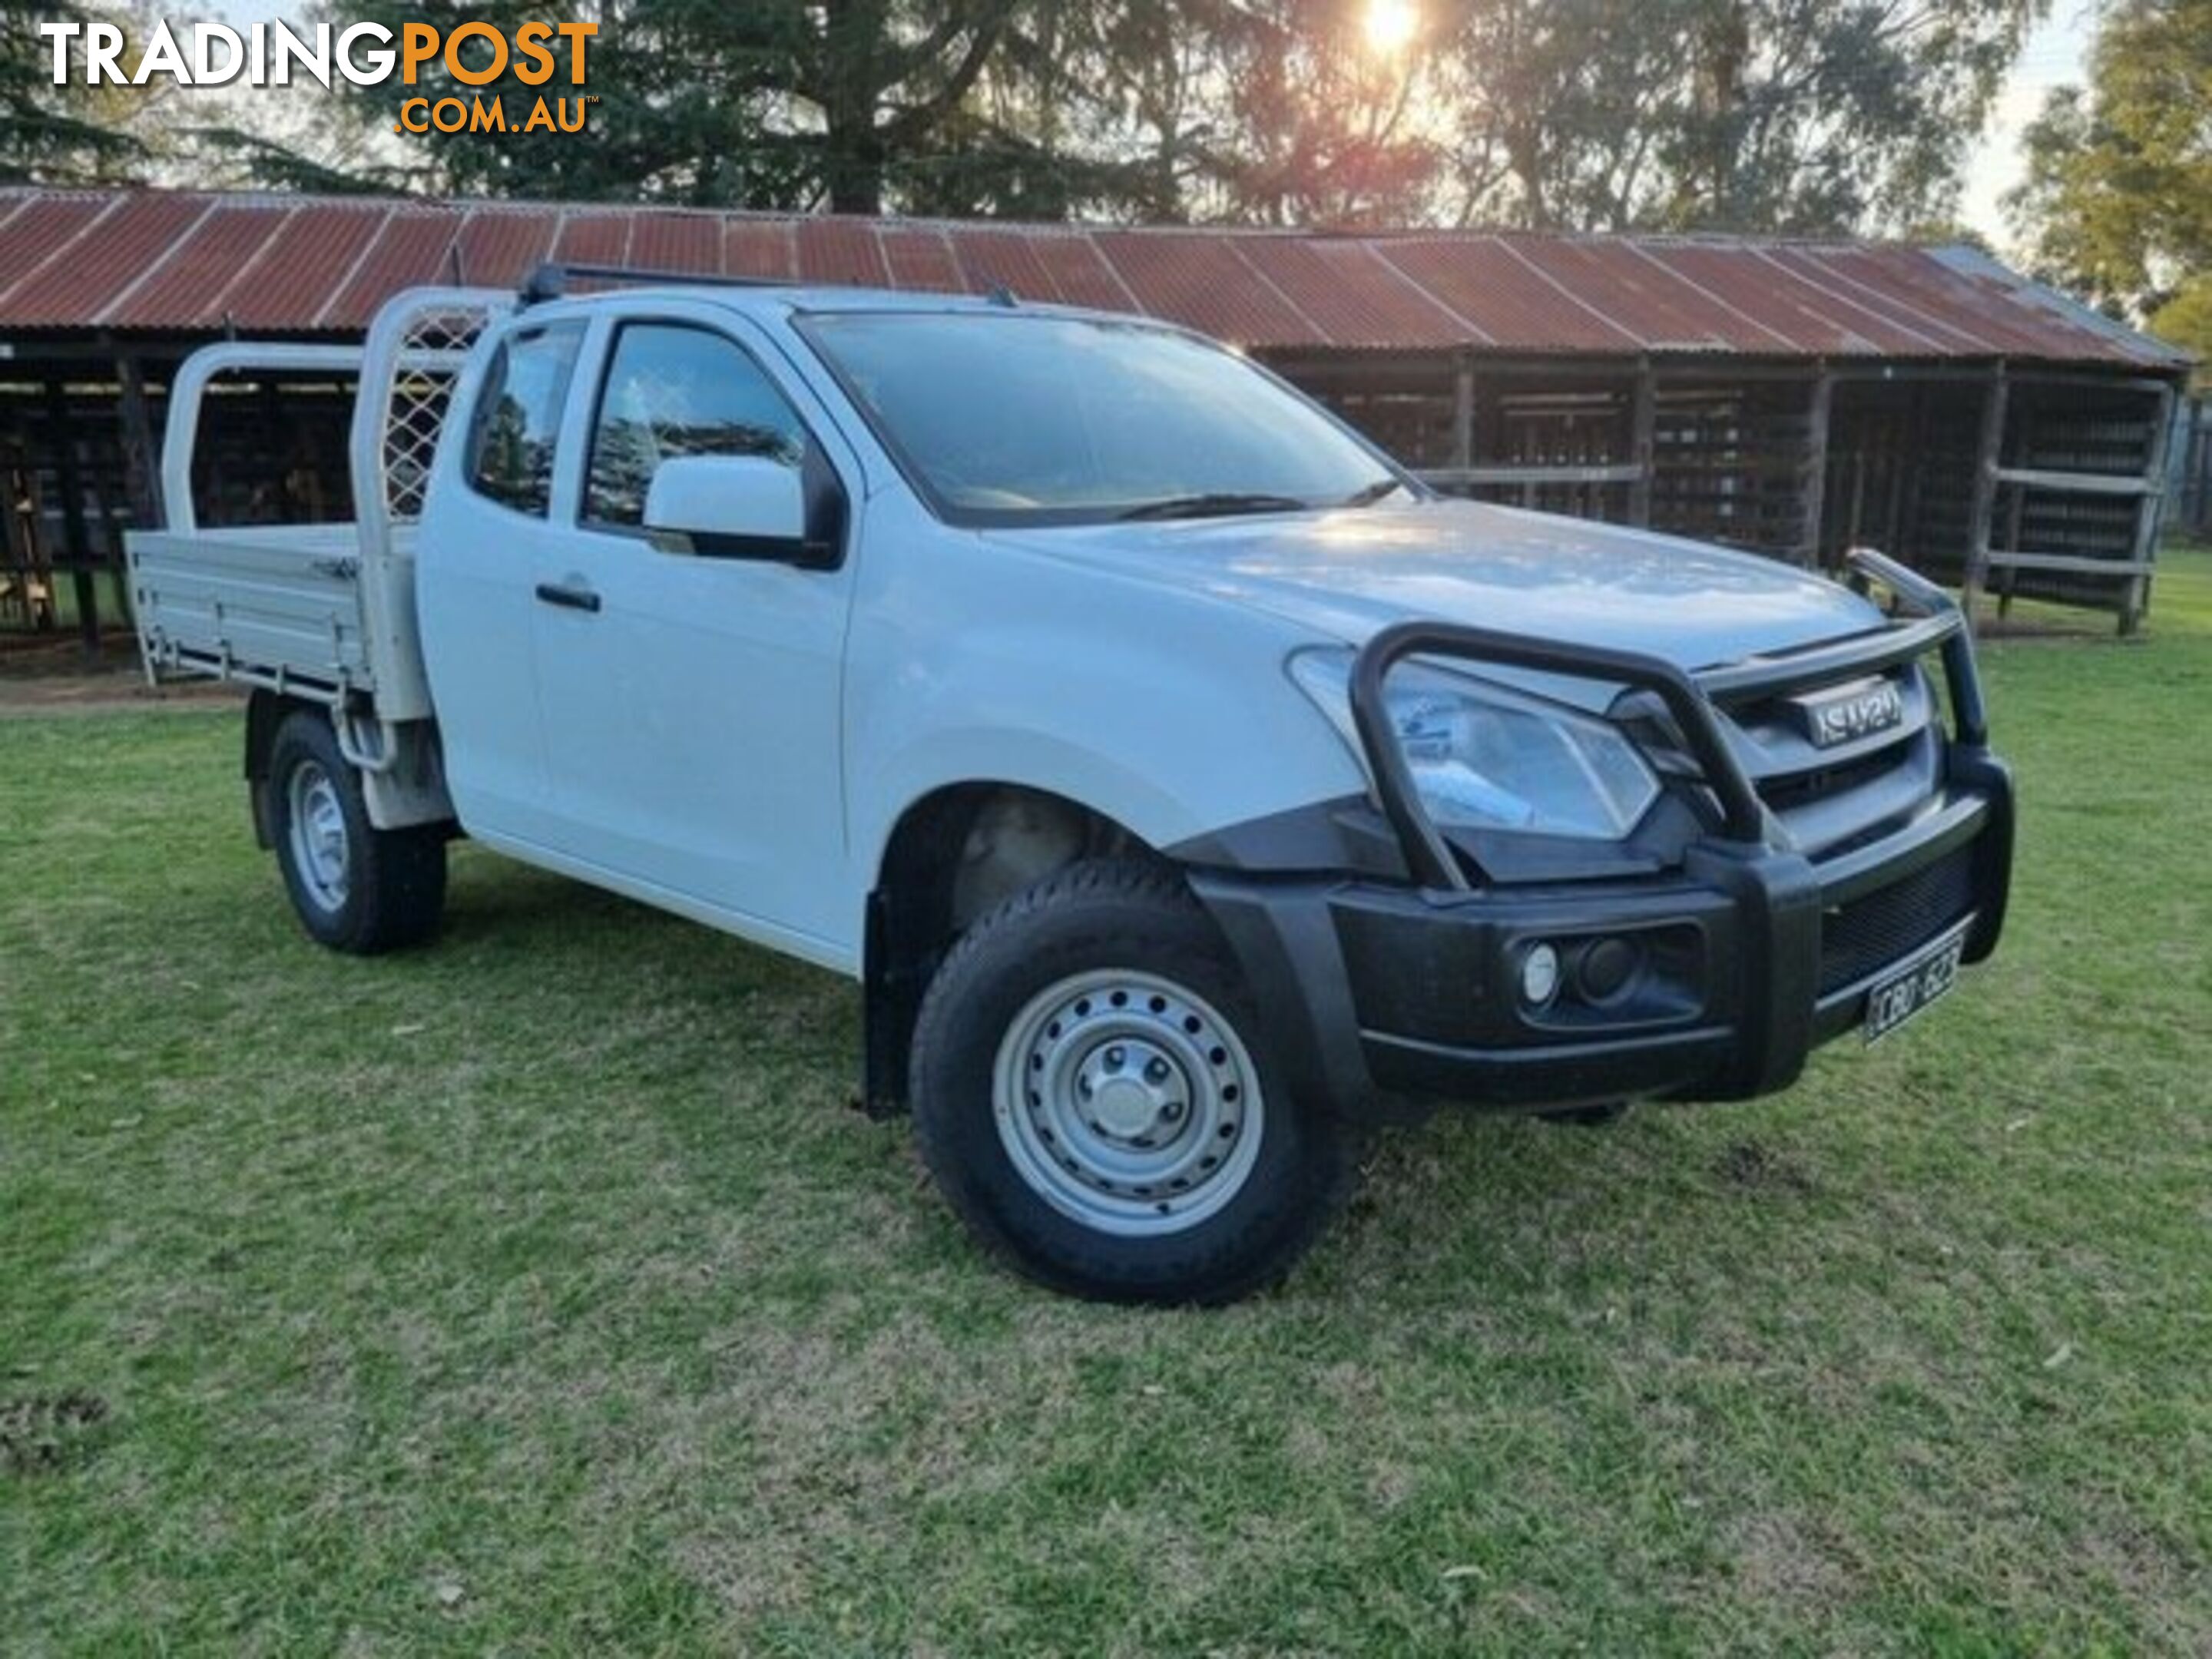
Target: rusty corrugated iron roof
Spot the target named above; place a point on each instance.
(193, 261)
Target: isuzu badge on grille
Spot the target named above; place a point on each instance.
(1856, 711)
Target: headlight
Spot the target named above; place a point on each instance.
(1485, 758)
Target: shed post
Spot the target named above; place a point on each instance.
(2190, 504)
(19, 575)
(1987, 456)
(1813, 488)
(2150, 509)
(74, 535)
(142, 465)
(2200, 463)
(18, 552)
(1463, 409)
(2015, 516)
(1643, 441)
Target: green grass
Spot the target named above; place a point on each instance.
(538, 1291)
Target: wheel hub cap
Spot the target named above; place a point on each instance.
(1132, 1088)
(1127, 1103)
(319, 849)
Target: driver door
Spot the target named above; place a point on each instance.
(692, 705)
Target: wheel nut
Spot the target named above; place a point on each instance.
(1113, 1059)
(1172, 1112)
(1156, 1071)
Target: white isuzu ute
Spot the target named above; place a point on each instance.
(1188, 788)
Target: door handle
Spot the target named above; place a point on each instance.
(576, 598)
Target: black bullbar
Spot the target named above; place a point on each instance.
(1711, 979)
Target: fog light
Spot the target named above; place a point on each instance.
(1539, 974)
(1606, 969)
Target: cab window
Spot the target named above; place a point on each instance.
(518, 419)
(672, 390)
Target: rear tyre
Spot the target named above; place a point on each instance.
(1090, 1093)
(355, 888)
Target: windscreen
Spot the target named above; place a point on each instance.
(1016, 419)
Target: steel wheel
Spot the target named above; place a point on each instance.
(320, 852)
(1087, 1080)
(1127, 1103)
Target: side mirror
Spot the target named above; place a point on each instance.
(731, 507)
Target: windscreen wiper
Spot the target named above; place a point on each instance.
(1373, 493)
(1214, 504)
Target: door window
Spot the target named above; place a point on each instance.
(518, 419)
(674, 391)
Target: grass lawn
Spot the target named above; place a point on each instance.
(538, 1290)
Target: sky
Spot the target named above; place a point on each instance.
(2056, 54)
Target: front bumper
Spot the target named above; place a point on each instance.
(1712, 981)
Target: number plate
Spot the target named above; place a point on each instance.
(1913, 986)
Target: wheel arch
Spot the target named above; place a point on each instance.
(952, 854)
(266, 711)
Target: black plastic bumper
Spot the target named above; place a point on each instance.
(1713, 981)
(1380, 998)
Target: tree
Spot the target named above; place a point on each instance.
(1820, 117)
(1560, 109)
(1299, 119)
(2117, 200)
(65, 135)
(1817, 116)
(1241, 112)
(774, 104)
(1772, 115)
(1053, 127)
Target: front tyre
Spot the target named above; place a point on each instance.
(355, 888)
(1090, 1093)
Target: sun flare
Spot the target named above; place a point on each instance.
(1391, 26)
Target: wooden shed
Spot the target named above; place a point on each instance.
(1793, 397)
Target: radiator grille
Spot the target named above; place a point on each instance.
(1786, 793)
